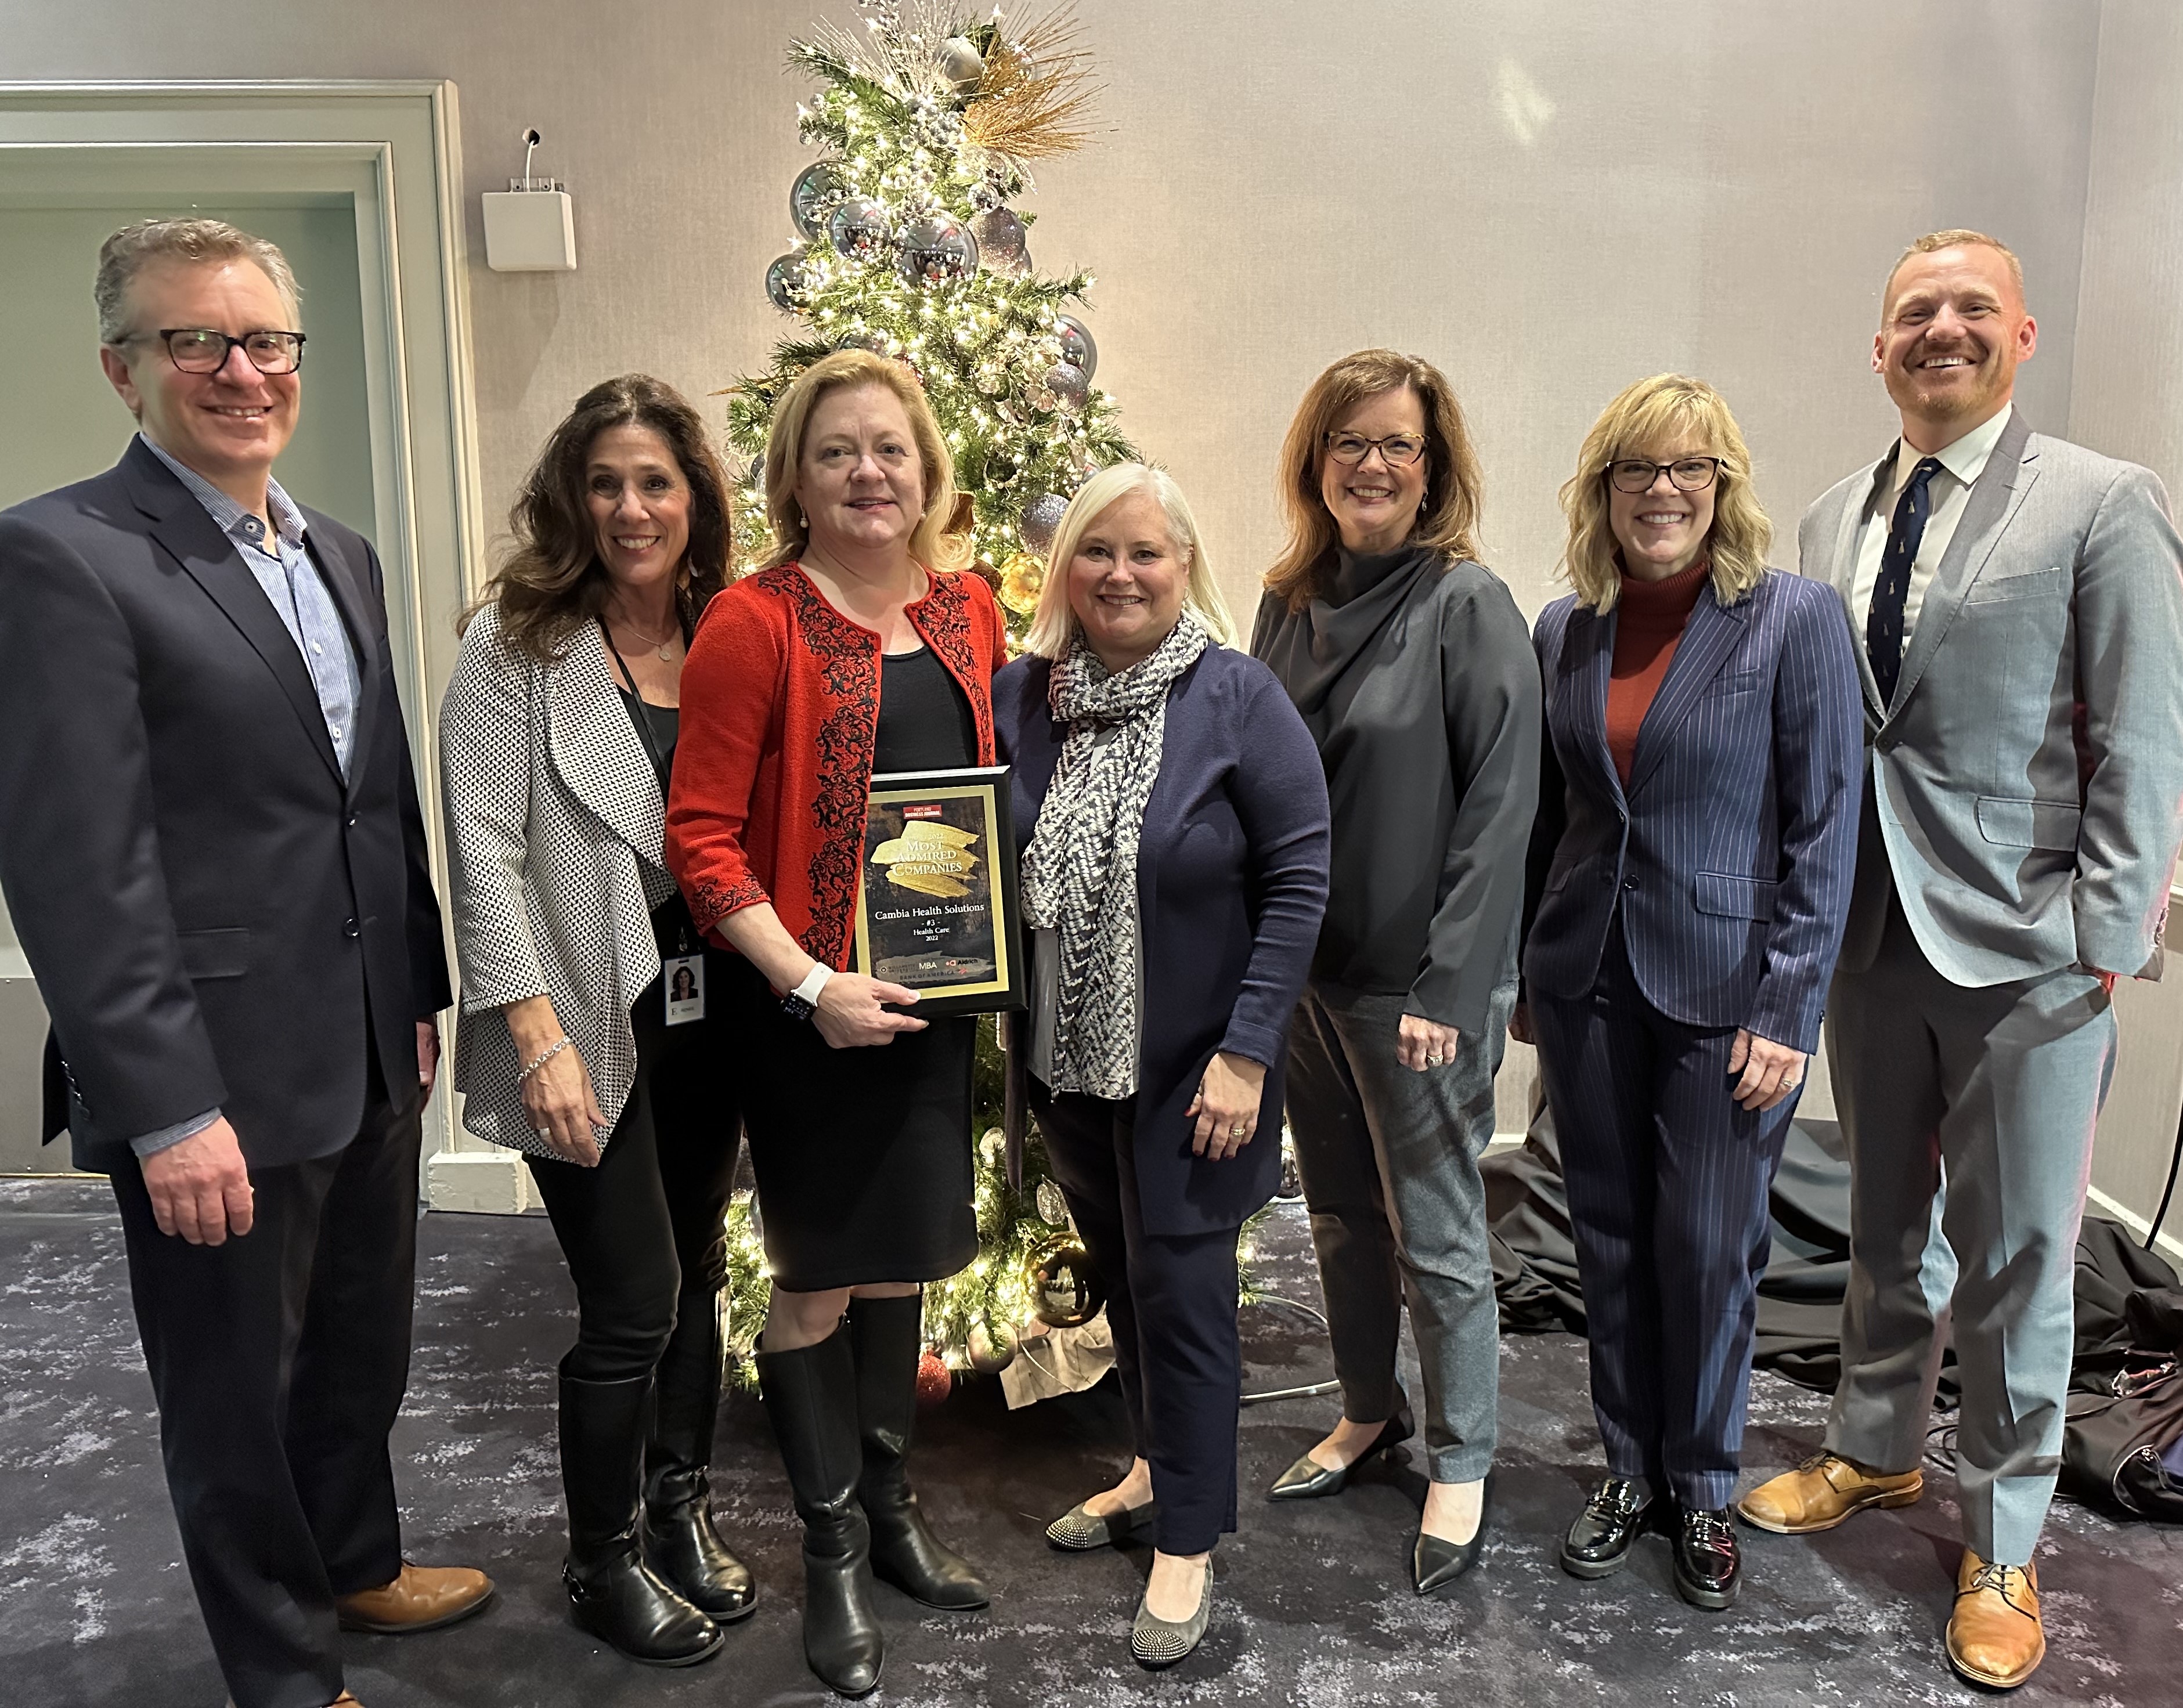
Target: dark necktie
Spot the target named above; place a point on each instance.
(1883, 623)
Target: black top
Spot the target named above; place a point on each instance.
(1416, 678)
(924, 717)
(658, 728)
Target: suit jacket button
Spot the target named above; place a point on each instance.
(1628, 883)
(349, 929)
(352, 821)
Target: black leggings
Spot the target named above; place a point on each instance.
(648, 1224)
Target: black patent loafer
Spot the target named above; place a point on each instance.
(1597, 1545)
(1709, 1565)
(1310, 1480)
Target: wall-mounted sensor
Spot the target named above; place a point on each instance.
(531, 226)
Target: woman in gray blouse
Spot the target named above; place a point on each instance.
(1414, 672)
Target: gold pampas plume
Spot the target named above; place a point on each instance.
(1037, 90)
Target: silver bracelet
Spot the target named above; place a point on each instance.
(545, 1056)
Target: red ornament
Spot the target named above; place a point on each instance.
(934, 1380)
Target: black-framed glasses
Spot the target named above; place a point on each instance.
(1689, 473)
(1396, 450)
(202, 350)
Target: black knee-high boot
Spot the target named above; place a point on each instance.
(811, 1396)
(680, 1543)
(612, 1593)
(888, 1338)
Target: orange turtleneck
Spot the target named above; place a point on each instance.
(1649, 622)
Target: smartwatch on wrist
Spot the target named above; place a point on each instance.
(802, 1001)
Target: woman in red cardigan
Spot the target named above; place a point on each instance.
(862, 646)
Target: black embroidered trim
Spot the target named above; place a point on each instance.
(848, 672)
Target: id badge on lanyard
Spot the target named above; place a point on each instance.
(683, 977)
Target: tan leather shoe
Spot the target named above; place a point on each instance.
(1823, 1491)
(1994, 1637)
(424, 1598)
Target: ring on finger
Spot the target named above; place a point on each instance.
(1238, 1130)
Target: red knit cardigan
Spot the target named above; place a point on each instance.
(780, 706)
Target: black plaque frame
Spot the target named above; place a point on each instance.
(895, 925)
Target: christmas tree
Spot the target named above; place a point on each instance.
(927, 121)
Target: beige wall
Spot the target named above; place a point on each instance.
(1547, 200)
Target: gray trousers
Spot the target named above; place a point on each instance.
(1994, 1091)
(1390, 1165)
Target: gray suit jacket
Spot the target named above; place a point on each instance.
(2026, 788)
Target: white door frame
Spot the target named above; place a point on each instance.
(393, 149)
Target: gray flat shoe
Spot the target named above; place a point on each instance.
(1077, 1529)
(1158, 1643)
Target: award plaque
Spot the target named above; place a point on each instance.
(936, 910)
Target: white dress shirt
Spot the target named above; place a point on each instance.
(1950, 490)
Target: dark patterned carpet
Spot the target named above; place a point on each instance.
(1313, 1607)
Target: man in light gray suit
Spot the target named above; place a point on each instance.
(2018, 606)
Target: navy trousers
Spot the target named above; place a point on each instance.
(1171, 1304)
(1668, 1180)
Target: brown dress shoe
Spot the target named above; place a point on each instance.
(424, 1598)
(1994, 1637)
(1823, 1491)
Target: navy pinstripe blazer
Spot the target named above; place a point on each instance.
(1732, 849)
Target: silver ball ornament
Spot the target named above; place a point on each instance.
(962, 64)
(1003, 240)
(817, 188)
(992, 1350)
(785, 280)
(858, 228)
(1041, 522)
(1077, 346)
(1064, 387)
(936, 250)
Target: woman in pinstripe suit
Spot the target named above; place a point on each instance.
(1690, 876)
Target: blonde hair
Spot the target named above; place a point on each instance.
(1956, 237)
(1652, 413)
(1447, 520)
(932, 543)
(154, 242)
(1054, 624)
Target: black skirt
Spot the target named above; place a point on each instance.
(863, 1155)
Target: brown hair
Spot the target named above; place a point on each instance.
(1955, 238)
(1447, 520)
(552, 582)
(931, 544)
(150, 243)
(1646, 418)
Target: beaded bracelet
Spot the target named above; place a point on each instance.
(545, 1056)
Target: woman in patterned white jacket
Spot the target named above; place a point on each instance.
(588, 1041)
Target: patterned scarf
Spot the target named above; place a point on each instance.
(1079, 873)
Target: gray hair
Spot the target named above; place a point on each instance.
(148, 242)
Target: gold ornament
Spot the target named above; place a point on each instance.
(1022, 577)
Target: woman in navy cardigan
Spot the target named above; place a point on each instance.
(1690, 878)
(1172, 816)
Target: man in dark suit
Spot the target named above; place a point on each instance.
(210, 844)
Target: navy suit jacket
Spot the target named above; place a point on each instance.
(215, 916)
(1232, 884)
(1732, 850)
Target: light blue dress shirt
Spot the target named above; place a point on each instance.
(291, 581)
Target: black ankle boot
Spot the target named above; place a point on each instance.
(680, 1543)
(811, 1396)
(612, 1593)
(888, 1338)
